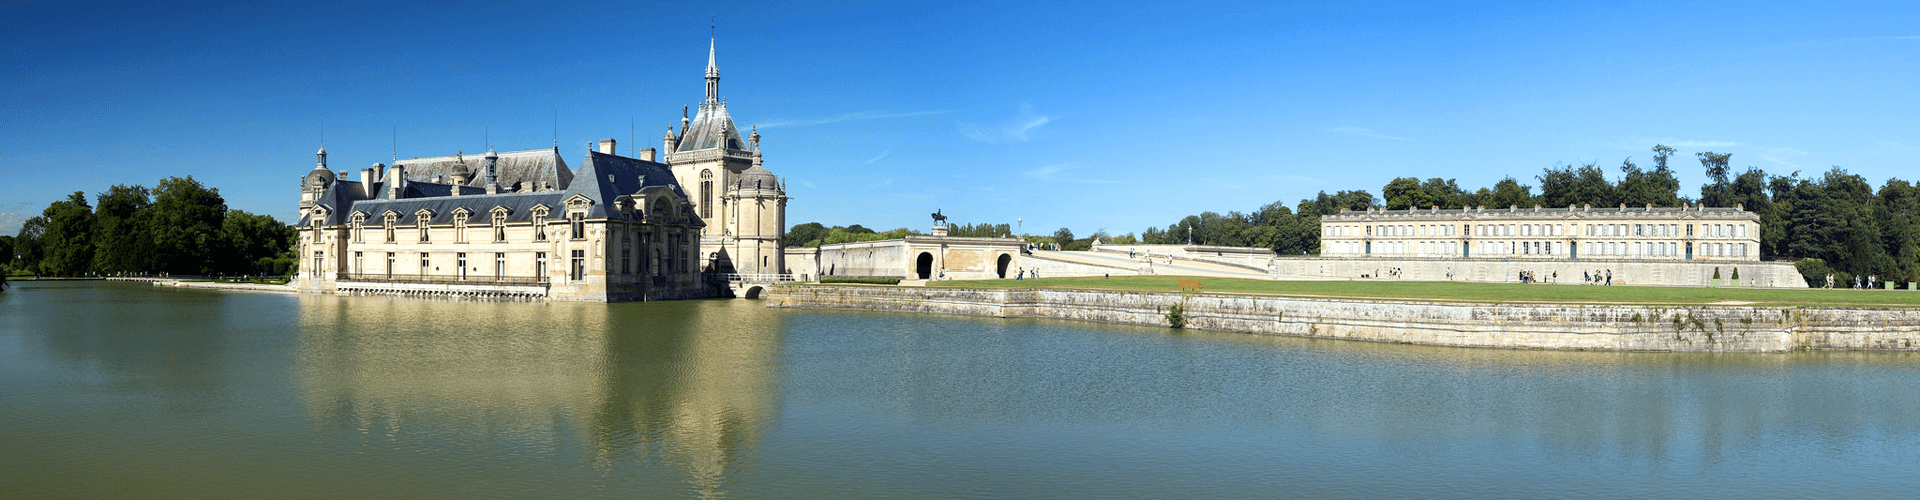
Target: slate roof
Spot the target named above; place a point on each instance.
(601, 178)
(514, 167)
(705, 130)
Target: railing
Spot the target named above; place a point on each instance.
(734, 278)
(443, 280)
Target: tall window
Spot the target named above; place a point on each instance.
(626, 252)
(461, 260)
(578, 224)
(359, 221)
(357, 269)
(460, 226)
(499, 265)
(388, 220)
(578, 269)
(706, 193)
(540, 225)
(499, 227)
(421, 220)
(426, 262)
(389, 265)
(540, 265)
(319, 263)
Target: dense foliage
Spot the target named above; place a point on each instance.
(178, 227)
(1835, 222)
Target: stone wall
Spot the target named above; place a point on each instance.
(1516, 326)
(1683, 273)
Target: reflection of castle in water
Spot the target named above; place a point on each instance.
(688, 387)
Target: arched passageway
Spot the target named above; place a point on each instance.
(1005, 260)
(924, 266)
(752, 292)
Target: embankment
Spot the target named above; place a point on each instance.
(1514, 326)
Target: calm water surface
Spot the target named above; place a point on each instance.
(126, 390)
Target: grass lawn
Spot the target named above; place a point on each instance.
(1477, 292)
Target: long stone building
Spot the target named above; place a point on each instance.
(524, 224)
(1636, 245)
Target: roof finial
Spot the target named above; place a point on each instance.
(713, 75)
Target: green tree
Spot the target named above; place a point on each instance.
(1509, 192)
(1568, 185)
(805, 235)
(26, 245)
(255, 241)
(1403, 193)
(1658, 187)
(1718, 187)
(68, 240)
(124, 240)
(1063, 237)
(188, 219)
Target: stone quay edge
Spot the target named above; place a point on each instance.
(1605, 327)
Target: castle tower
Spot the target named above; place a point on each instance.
(745, 214)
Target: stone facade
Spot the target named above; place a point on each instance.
(744, 203)
(914, 257)
(619, 229)
(1516, 326)
(1637, 233)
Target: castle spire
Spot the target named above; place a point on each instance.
(713, 75)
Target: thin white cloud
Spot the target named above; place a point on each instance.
(1294, 179)
(1218, 182)
(857, 115)
(807, 183)
(1705, 144)
(1057, 173)
(1365, 132)
(10, 223)
(883, 154)
(884, 183)
(1016, 130)
(1783, 156)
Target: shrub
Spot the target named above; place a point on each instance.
(1716, 273)
(1176, 317)
(1736, 274)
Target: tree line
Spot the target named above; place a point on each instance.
(177, 227)
(1835, 222)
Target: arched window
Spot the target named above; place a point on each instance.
(706, 193)
(388, 221)
(359, 222)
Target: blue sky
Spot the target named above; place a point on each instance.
(1099, 115)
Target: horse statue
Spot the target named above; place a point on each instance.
(939, 220)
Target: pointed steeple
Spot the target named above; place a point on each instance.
(713, 75)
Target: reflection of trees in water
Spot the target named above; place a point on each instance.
(682, 384)
(188, 346)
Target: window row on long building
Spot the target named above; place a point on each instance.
(1687, 233)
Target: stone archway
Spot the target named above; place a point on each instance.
(753, 292)
(1001, 268)
(924, 265)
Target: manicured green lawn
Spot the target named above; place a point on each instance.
(1475, 292)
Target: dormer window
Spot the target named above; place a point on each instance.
(577, 222)
(359, 222)
(420, 219)
(388, 221)
(499, 225)
(460, 225)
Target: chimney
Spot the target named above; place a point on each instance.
(606, 146)
(396, 181)
(647, 154)
(367, 179)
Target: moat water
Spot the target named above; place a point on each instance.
(128, 390)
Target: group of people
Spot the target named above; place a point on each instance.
(1392, 272)
(1867, 282)
(1022, 274)
(1595, 278)
(1526, 276)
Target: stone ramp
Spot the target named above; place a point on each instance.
(1124, 266)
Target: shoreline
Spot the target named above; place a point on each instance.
(1604, 327)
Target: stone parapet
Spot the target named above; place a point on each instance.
(1513, 326)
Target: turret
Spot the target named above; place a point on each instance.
(491, 165)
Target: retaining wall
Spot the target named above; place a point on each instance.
(1633, 272)
(1517, 326)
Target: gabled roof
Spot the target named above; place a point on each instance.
(513, 167)
(603, 177)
